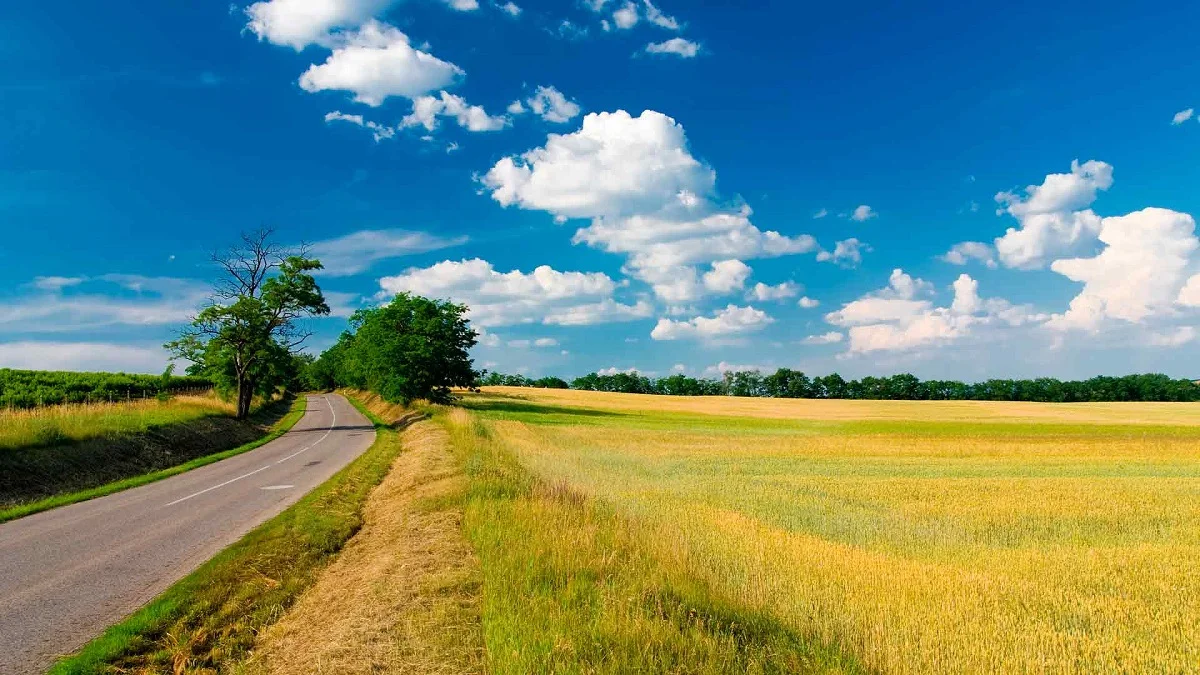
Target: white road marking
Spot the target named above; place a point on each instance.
(328, 431)
(277, 487)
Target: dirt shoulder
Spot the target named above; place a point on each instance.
(403, 596)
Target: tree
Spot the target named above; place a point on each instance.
(245, 340)
(411, 348)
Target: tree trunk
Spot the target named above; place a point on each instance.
(244, 396)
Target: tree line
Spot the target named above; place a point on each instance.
(33, 388)
(788, 383)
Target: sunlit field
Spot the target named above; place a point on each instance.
(908, 536)
(49, 425)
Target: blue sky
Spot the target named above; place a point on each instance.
(617, 184)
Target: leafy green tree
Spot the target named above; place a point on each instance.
(409, 349)
(245, 340)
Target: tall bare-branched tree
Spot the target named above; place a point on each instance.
(245, 339)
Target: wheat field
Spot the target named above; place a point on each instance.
(912, 536)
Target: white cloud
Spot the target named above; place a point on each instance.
(1139, 274)
(56, 283)
(655, 16)
(863, 213)
(764, 293)
(1183, 116)
(963, 252)
(613, 370)
(733, 321)
(548, 103)
(647, 196)
(83, 356)
(299, 23)
(1173, 338)
(595, 5)
(545, 342)
(821, 214)
(358, 251)
(677, 46)
(376, 62)
(544, 295)
(378, 131)
(832, 337)
(723, 367)
(896, 318)
(626, 17)
(158, 301)
(1189, 295)
(727, 276)
(427, 110)
(510, 9)
(463, 5)
(808, 303)
(847, 253)
(1053, 216)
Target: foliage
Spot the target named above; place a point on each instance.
(33, 388)
(245, 340)
(412, 348)
(787, 383)
(501, 380)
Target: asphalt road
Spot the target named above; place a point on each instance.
(69, 573)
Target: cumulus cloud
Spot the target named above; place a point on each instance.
(548, 103)
(427, 109)
(626, 17)
(1176, 337)
(900, 317)
(358, 251)
(830, 338)
(376, 62)
(463, 5)
(646, 195)
(808, 303)
(765, 293)
(378, 131)
(1139, 274)
(820, 214)
(510, 9)
(964, 252)
(544, 295)
(299, 23)
(727, 276)
(1053, 216)
(847, 253)
(676, 46)
(731, 322)
(863, 213)
(1182, 116)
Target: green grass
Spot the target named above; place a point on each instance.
(208, 620)
(571, 586)
(295, 412)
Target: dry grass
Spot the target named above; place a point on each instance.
(833, 409)
(81, 421)
(403, 597)
(922, 537)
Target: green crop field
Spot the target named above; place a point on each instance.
(893, 536)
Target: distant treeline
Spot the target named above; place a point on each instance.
(33, 388)
(786, 383)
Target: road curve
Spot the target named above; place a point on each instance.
(69, 573)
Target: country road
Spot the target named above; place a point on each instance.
(67, 574)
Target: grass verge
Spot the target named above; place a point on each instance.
(208, 620)
(570, 586)
(282, 426)
(404, 594)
